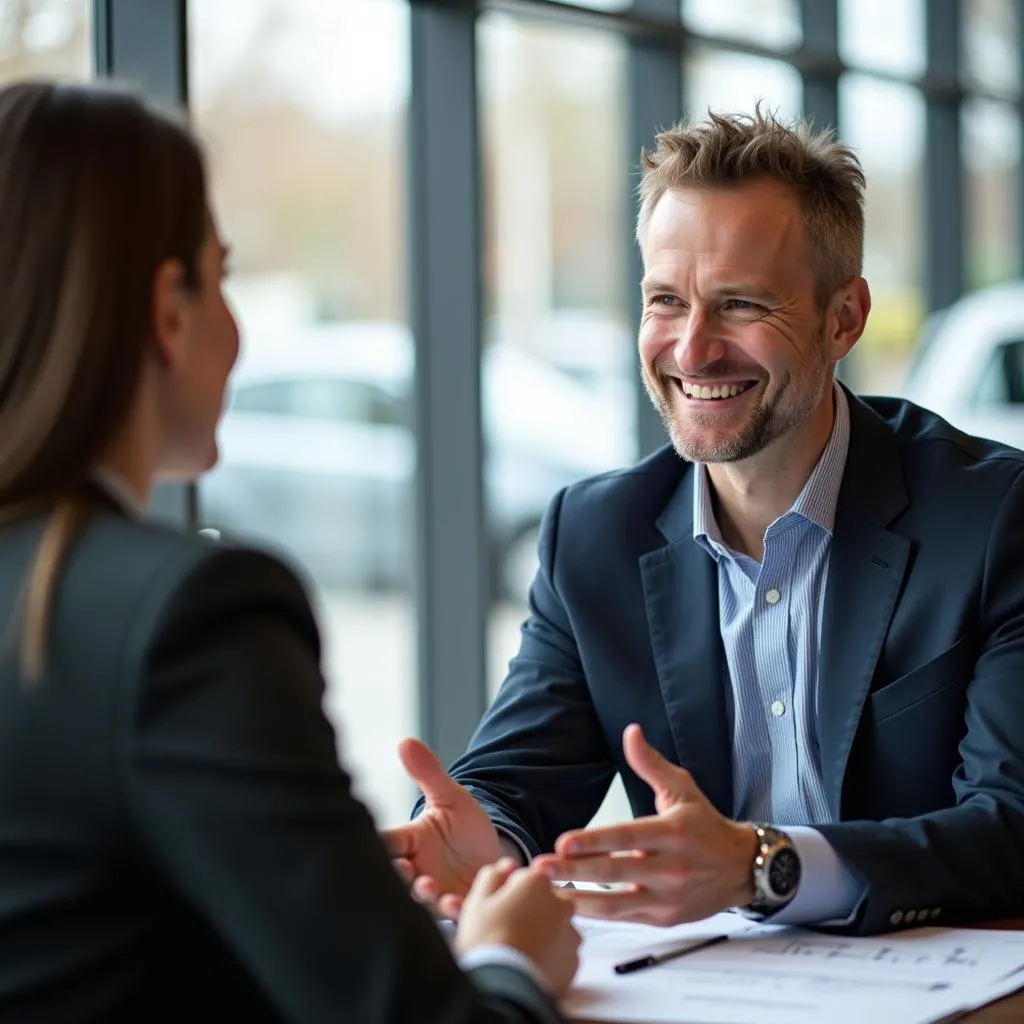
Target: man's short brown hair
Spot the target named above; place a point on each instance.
(729, 149)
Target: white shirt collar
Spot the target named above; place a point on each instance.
(119, 491)
(817, 500)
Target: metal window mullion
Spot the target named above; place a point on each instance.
(944, 201)
(145, 44)
(819, 20)
(1018, 239)
(444, 274)
(655, 101)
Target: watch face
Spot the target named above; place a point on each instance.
(784, 872)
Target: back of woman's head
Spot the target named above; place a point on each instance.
(97, 189)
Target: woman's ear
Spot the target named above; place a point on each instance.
(169, 317)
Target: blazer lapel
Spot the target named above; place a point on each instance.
(867, 564)
(681, 593)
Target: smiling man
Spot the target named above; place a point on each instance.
(797, 631)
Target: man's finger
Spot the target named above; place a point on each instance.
(426, 889)
(405, 870)
(641, 834)
(425, 770)
(450, 906)
(660, 774)
(616, 905)
(637, 867)
(401, 841)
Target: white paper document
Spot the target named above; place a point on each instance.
(789, 974)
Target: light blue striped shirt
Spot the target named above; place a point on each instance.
(770, 617)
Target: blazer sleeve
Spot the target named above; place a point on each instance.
(539, 762)
(965, 862)
(233, 789)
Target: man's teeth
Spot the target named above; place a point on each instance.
(703, 391)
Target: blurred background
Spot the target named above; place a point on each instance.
(430, 208)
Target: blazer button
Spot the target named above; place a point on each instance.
(935, 911)
(910, 916)
(896, 917)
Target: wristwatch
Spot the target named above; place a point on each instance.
(776, 873)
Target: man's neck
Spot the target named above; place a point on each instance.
(749, 496)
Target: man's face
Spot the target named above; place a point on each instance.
(733, 348)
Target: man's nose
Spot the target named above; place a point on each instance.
(698, 345)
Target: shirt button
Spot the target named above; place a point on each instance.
(778, 708)
(772, 597)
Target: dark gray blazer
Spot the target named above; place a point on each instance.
(177, 841)
(920, 696)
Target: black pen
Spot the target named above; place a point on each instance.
(652, 961)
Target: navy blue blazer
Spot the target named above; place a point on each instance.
(177, 841)
(920, 683)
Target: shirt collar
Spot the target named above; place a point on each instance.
(118, 490)
(816, 502)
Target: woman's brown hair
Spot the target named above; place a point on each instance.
(97, 189)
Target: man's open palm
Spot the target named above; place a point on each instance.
(441, 851)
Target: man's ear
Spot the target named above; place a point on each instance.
(848, 315)
(169, 312)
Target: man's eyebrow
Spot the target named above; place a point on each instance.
(654, 285)
(744, 291)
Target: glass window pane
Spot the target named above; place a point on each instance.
(599, 5)
(559, 359)
(1002, 380)
(273, 398)
(45, 37)
(992, 147)
(766, 22)
(884, 124)
(732, 83)
(303, 107)
(887, 35)
(991, 44)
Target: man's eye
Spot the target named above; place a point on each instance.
(663, 300)
(744, 306)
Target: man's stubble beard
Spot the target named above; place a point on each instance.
(768, 421)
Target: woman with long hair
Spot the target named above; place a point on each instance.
(177, 841)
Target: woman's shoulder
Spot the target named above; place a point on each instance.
(144, 572)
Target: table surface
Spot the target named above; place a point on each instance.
(1006, 1011)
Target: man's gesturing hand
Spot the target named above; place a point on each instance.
(440, 852)
(686, 862)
